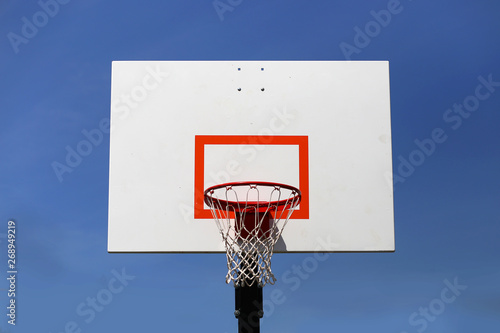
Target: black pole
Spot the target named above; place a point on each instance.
(248, 297)
(248, 308)
(248, 290)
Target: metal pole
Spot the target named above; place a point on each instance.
(248, 298)
(248, 292)
(248, 308)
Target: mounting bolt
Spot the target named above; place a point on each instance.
(262, 89)
(239, 89)
(260, 313)
(237, 313)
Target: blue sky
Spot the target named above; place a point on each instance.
(55, 82)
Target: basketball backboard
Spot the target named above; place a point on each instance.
(179, 127)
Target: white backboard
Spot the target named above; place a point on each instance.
(178, 127)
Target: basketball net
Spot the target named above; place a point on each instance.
(251, 218)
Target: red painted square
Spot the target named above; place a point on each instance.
(199, 168)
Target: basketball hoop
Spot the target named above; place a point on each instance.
(251, 217)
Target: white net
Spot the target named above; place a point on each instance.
(251, 218)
